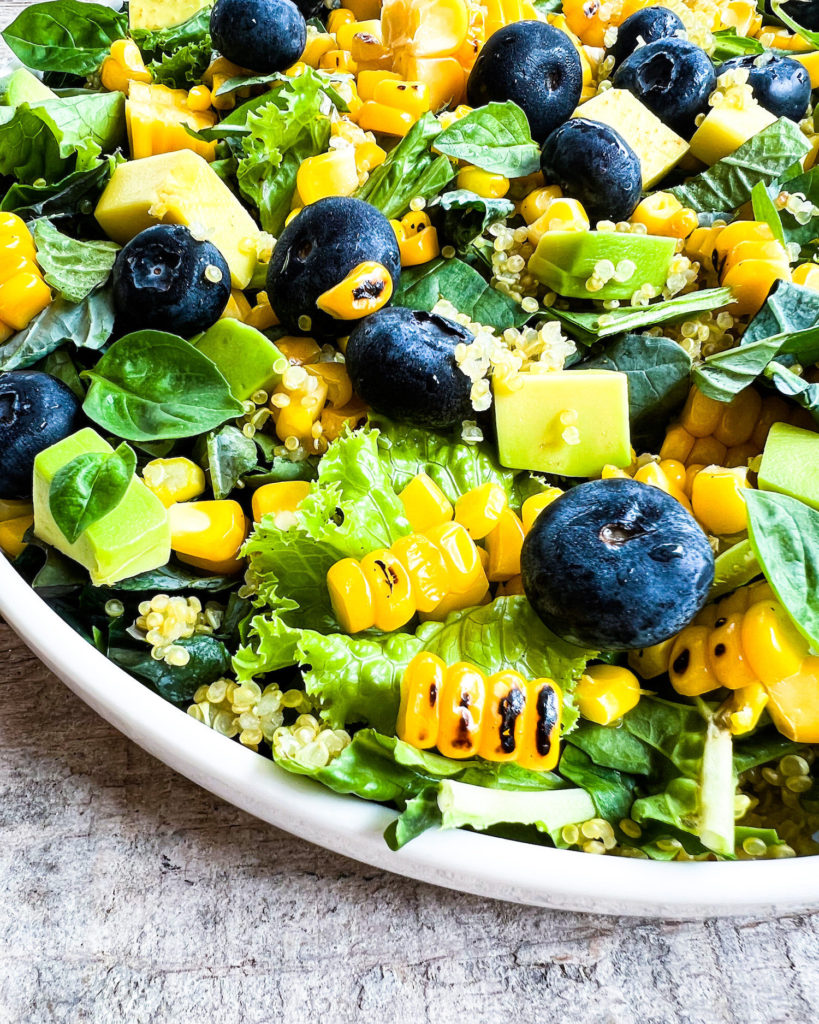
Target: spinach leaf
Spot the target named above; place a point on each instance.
(209, 661)
(229, 455)
(411, 169)
(87, 324)
(658, 371)
(612, 792)
(465, 215)
(196, 29)
(152, 386)
(422, 287)
(615, 748)
(764, 157)
(72, 268)
(495, 138)
(789, 308)
(65, 35)
(172, 578)
(71, 197)
(764, 210)
(806, 184)
(89, 487)
(784, 535)
(728, 43)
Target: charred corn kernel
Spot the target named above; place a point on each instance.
(560, 215)
(426, 568)
(651, 662)
(318, 43)
(511, 588)
(606, 693)
(338, 60)
(298, 351)
(807, 275)
(412, 97)
(22, 297)
(701, 415)
(350, 596)
(368, 80)
(346, 33)
(283, 496)
(337, 379)
(425, 504)
(333, 421)
(480, 509)
(173, 480)
(534, 505)
(689, 667)
(677, 444)
(663, 214)
(482, 183)
(743, 709)
(329, 174)
(503, 725)
(503, 545)
(157, 118)
(461, 711)
(208, 534)
(773, 646)
(12, 532)
(378, 117)
(262, 315)
(123, 66)
(537, 202)
(369, 155)
(414, 222)
(718, 500)
(418, 712)
(338, 18)
(391, 590)
(365, 289)
(793, 703)
(585, 21)
(419, 248)
(726, 653)
(460, 556)
(199, 98)
(542, 716)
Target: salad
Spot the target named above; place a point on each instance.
(424, 395)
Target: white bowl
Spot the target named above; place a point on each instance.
(469, 862)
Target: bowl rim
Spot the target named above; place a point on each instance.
(460, 860)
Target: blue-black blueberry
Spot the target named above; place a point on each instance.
(402, 363)
(779, 84)
(593, 163)
(645, 26)
(36, 411)
(317, 250)
(536, 66)
(615, 564)
(260, 35)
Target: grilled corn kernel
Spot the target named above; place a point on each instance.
(208, 534)
(389, 582)
(503, 545)
(350, 596)
(479, 509)
(364, 290)
(282, 497)
(329, 174)
(173, 480)
(368, 80)
(340, 61)
(771, 643)
(606, 693)
(541, 742)
(726, 654)
(12, 532)
(534, 505)
(689, 666)
(718, 501)
(419, 248)
(502, 732)
(461, 710)
(743, 709)
(412, 97)
(426, 569)
(420, 695)
(482, 183)
(425, 504)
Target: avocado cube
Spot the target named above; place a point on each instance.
(150, 15)
(565, 260)
(790, 463)
(568, 422)
(180, 188)
(249, 361)
(658, 148)
(725, 129)
(23, 87)
(132, 538)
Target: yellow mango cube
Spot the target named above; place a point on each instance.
(726, 128)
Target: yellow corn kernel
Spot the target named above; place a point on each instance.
(337, 379)
(708, 451)
(12, 532)
(237, 308)
(365, 289)
(807, 275)
(540, 748)
(534, 505)
(743, 709)
(369, 155)
(761, 591)
(350, 596)
(751, 282)
(537, 202)
(368, 80)
(653, 661)
(173, 480)
(502, 731)
(419, 248)
(739, 455)
(461, 709)
(718, 501)
(480, 509)
(329, 174)
(653, 475)
(739, 418)
(123, 66)
(412, 97)
(482, 183)
(560, 215)
(281, 498)
(511, 588)
(425, 504)
(338, 60)
(701, 415)
(296, 419)
(333, 421)
(675, 473)
(754, 250)
(663, 214)
(418, 711)
(208, 534)
(725, 652)
(199, 98)
(392, 599)
(15, 237)
(793, 703)
(338, 18)
(378, 117)
(677, 444)
(444, 77)
(476, 593)
(461, 557)
(689, 668)
(771, 643)
(503, 545)
(606, 692)
(292, 215)
(706, 616)
(426, 569)
(741, 231)
(318, 43)
(298, 351)
(22, 297)
(364, 10)
(700, 246)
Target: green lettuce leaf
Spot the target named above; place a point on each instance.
(184, 66)
(87, 324)
(65, 35)
(72, 268)
(195, 30)
(463, 804)
(228, 456)
(611, 791)
(495, 138)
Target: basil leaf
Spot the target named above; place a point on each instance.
(229, 455)
(88, 488)
(73, 196)
(784, 534)
(793, 386)
(150, 386)
(467, 215)
(764, 157)
(495, 138)
(59, 364)
(72, 268)
(788, 308)
(728, 43)
(65, 35)
(422, 287)
(87, 324)
(764, 210)
(172, 578)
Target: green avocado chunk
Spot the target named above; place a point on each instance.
(565, 260)
(23, 87)
(568, 422)
(133, 538)
(790, 463)
(248, 360)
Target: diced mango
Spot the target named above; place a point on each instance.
(154, 14)
(156, 118)
(726, 128)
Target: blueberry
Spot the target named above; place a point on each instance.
(260, 35)
(533, 64)
(36, 411)
(317, 250)
(673, 78)
(646, 26)
(615, 565)
(780, 84)
(166, 279)
(593, 163)
(402, 363)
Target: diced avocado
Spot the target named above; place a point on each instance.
(565, 260)
(569, 422)
(248, 360)
(23, 87)
(154, 14)
(726, 128)
(180, 188)
(790, 463)
(134, 537)
(658, 148)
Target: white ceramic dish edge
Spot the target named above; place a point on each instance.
(459, 860)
